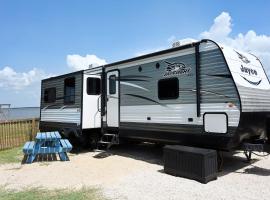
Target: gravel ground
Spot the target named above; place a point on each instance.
(136, 172)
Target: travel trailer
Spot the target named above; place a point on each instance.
(198, 94)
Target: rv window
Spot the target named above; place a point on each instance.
(93, 86)
(69, 93)
(168, 88)
(49, 95)
(112, 84)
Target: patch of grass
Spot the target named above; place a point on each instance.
(41, 194)
(13, 155)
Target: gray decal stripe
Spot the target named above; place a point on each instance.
(135, 76)
(145, 98)
(251, 82)
(133, 85)
(128, 79)
(218, 94)
(206, 91)
(219, 75)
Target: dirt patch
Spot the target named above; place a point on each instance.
(84, 169)
(136, 172)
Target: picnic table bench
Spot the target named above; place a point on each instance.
(47, 143)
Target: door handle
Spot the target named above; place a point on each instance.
(98, 102)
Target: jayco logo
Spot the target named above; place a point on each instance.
(242, 57)
(176, 69)
(248, 70)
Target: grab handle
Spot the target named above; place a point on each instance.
(98, 103)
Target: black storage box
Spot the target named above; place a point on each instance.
(191, 162)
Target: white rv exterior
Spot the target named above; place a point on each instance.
(201, 94)
(81, 113)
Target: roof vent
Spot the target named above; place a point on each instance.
(182, 42)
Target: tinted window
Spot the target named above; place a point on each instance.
(49, 95)
(112, 84)
(69, 90)
(168, 88)
(93, 86)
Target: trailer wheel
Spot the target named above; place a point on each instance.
(85, 141)
(220, 161)
(73, 140)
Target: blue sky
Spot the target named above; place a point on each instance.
(36, 37)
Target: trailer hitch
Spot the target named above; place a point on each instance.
(249, 148)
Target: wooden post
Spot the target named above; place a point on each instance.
(33, 128)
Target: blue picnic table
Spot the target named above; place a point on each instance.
(47, 143)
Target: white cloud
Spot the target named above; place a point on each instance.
(10, 79)
(219, 31)
(221, 28)
(250, 42)
(77, 62)
(259, 45)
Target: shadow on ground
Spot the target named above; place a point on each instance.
(233, 162)
(147, 152)
(257, 171)
(42, 158)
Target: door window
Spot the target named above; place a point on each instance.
(93, 86)
(112, 84)
(69, 91)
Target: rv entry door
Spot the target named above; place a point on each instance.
(113, 98)
(91, 116)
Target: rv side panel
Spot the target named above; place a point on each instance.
(144, 114)
(65, 110)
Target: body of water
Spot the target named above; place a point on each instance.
(20, 113)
